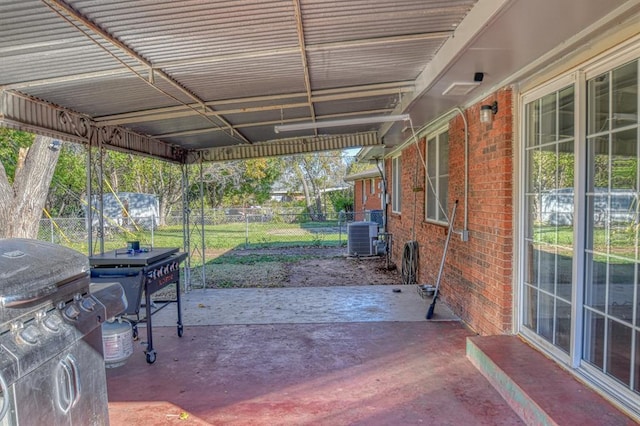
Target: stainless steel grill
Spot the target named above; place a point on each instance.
(51, 357)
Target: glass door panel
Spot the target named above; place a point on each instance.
(550, 199)
(611, 301)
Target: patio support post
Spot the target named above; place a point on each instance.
(194, 229)
(185, 226)
(202, 246)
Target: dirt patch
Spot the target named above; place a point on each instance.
(296, 267)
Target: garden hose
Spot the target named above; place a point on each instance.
(410, 263)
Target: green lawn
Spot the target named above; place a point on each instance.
(620, 241)
(225, 236)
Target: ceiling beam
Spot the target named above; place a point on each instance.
(281, 147)
(344, 93)
(275, 123)
(303, 58)
(22, 112)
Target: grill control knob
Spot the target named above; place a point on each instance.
(88, 304)
(49, 322)
(71, 312)
(52, 323)
(17, 326)
(29, 334)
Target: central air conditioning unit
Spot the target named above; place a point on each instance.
(361, 237)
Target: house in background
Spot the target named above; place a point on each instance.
(127, 209)
(368, 192)
(560, 125)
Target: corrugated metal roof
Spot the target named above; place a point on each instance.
(339, 21)
(208, 74)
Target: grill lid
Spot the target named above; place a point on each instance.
(31, 270)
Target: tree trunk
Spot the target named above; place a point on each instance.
(305, 189)
(162, 220)
(24, 200)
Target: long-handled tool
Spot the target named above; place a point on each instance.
(444, 255)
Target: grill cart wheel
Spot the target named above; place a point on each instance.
(151, 357)
(180, 330)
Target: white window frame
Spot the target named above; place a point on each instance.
(527, 98)
(579, 76)
(396, 184)
(433, 186)
(364, 192)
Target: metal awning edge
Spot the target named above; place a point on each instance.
(21, 112)
(366, 174)
(283, 147)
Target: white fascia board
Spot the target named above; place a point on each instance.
(478, 18)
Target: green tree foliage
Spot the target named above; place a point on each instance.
(552, 171)
(342, 200)
(358, 167)
(241, 182)
(313, 174)
(131, 173)
(69, 183)
(10, 143)
(258, 177)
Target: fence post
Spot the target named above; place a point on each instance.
(246, 230)
(153, 222)
(51, 226)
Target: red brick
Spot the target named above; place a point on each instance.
(477, 279)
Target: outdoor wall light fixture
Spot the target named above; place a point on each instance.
(337, 123)
(487, 112)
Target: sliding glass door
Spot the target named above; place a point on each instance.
(580, 289)
(611, 339)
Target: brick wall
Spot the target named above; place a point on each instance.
(477, 278)
(373, 201)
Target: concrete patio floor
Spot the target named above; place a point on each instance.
(313, 356)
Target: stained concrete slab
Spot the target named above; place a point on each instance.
(334, 374)
(305, 356)
(302, 305)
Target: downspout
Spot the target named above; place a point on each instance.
(383, 179)
(464, 234)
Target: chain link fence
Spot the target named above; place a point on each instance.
(221, 228)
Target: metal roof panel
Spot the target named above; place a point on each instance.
(176, 70)
(242, 78)
(370, 64)
(109, 95)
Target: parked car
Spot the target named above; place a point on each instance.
(615, 206)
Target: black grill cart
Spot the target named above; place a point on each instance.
(142, 271)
